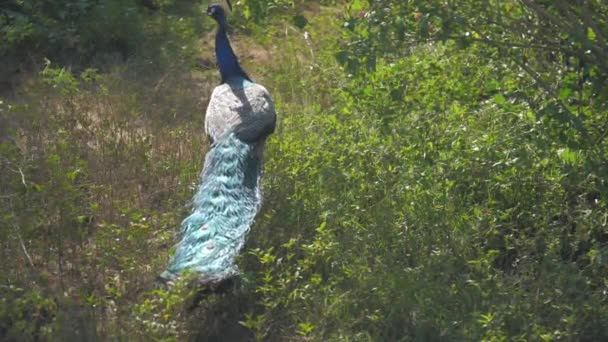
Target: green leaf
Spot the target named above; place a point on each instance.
(567, 155)
(565, 93)
(500, 99)
(590, 34)
(305, 329)
(357, 5)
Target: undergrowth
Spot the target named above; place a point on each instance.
(434, 194)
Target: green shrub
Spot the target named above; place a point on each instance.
(421, 183)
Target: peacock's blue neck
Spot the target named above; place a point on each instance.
(227, 61)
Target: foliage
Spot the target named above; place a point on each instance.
(449, 221)
(560, 45)
(83, 183)
(93, 33)
(61, 25)
(260, 10)
(435, 175)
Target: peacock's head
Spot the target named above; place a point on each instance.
(217, 12)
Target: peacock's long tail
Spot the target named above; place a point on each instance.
(224, 207)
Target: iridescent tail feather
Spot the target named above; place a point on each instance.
(224, 208)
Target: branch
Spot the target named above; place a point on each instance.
(600, 54)
(588, 19)
(29, 259)
(576, 121)
(22, 178)
(506, 44)
(543, 13)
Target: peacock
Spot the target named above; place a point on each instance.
(239, 118)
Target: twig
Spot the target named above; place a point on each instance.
(576, 121)
(600, 52)
(507, 44)
(543, 13)
(160, 82)
(561, 24)
(29, 258)
(22, 177)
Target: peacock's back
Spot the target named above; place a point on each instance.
(243, 107)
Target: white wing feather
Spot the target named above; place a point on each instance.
(246, 109)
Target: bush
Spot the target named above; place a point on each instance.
(422, 183)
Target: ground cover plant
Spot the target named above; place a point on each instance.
(437, 173)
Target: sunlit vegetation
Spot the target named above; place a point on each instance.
(438, 170)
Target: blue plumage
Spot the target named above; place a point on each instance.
(239, 117)
(226, 59)
(225, 205)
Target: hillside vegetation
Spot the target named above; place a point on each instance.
(438, 171)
